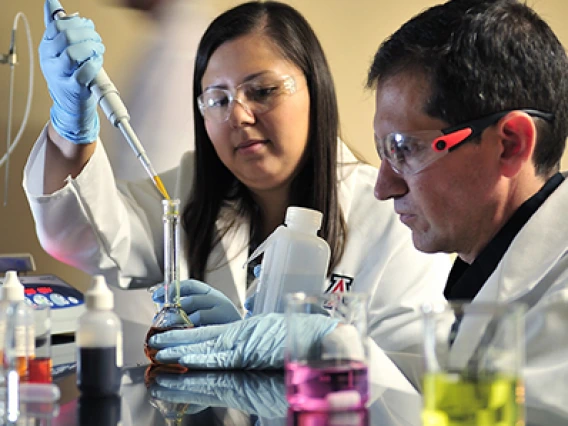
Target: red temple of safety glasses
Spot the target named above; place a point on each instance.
(456, 135)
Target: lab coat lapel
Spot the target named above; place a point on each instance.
(226, 269)
(346, 186)
(519, 277)
(520, 274)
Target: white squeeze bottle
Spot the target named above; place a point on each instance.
(295, 259)
(99, 343)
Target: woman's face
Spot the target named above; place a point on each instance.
(263, 149)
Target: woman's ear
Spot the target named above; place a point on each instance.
(518, 135)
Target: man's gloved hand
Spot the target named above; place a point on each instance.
(253, 392)
(202, 303)
(254, 343)
(70, 56)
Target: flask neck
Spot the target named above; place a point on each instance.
(171, 220)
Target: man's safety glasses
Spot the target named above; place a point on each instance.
(256, 96)
(411, 152)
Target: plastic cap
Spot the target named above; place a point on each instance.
(99, 295)
(12, 289)
(303, 217)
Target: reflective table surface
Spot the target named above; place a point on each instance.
(218, 398)
(205, 398)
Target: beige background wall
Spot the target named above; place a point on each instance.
(350, 32)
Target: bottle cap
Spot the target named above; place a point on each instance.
(303, 217)
(99, 295)
(12, 289)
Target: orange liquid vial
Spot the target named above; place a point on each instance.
(39, 370)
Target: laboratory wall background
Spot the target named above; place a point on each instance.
(350, 32)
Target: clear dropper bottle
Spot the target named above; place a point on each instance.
(171, 316)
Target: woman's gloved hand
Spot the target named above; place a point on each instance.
(202, 303)
(70, 56)
(254, 343)
(249, 305)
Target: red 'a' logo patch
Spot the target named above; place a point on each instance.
(339, 284)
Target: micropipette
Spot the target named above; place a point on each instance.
(115, 110)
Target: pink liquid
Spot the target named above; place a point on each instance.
(327, 385)
(327, 418)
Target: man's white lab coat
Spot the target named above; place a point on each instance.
(534, 271)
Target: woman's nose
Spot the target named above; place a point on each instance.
(240, 114)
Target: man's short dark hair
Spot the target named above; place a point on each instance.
(480, 57)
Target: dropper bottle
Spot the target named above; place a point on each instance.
(17, 328)
(99, 343)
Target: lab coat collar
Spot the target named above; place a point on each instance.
(520, 274)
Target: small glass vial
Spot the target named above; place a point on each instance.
(99, 343)
(171, 316)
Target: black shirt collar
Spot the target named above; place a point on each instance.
(465, 281)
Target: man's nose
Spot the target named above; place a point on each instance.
(389, 184)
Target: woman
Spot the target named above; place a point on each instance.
(266, 135)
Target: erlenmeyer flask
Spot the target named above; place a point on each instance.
(171, 316)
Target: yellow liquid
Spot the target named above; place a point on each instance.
(161, 187)
(454, 400)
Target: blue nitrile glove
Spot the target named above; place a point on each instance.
(70, 56)
(202, 303)
(253, 392)
(249, 305)
(254, 343)
(249, 302)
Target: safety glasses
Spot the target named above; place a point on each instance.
(256, 96)
(411, 152)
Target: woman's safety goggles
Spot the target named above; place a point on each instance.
(256, 96)
(411, 152)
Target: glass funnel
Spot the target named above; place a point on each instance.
(171, 316)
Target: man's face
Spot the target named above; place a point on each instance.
(451, 204)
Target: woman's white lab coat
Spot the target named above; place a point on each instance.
(92, 226)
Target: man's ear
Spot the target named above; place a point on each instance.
(518, 135)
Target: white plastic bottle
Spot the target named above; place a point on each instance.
(295, 259)
(99, 343)
(17, 326)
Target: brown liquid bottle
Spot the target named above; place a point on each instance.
(151, 352)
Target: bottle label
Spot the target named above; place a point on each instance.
(119, 357)
(24, 341)
(2, 334)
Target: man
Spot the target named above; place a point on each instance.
(471, 121)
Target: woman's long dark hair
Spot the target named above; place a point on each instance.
(315, 186)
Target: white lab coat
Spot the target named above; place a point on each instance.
(534, 271)
(92, 226)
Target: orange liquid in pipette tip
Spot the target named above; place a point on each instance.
(161, 187)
